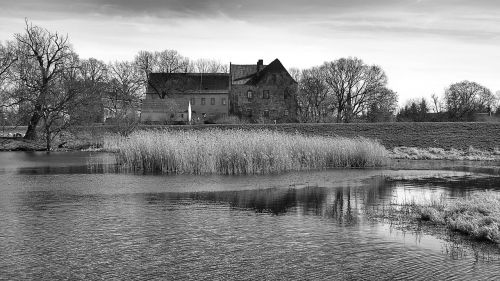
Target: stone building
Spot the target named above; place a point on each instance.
(168, 96)
(263, 93)
(258, 93)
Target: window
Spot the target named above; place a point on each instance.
(265, 94)
(250, 94)
(223, 101)
(249, 112)
(182, 115)
(286, 112)
(266, 113)
(192, 101)
(286, 94)
(212, 101)
(202, 101)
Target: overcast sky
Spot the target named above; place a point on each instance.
(423, 45)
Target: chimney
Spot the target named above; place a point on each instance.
(260, 63)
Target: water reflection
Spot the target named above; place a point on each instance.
(61, 221)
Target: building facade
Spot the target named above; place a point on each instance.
(168, 96)
(263, 93)
(257, 93)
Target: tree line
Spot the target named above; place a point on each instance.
(45, 85)
(345, 90)
(348, 90)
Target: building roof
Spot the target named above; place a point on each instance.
(274, 67)
(184, 82)
(248, 75)
(241, 72)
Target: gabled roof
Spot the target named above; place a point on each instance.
(239, 72)
(182, 82)
(273, 67)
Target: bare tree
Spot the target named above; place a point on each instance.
(208, 66)
(146, 62)
(7, 58)
(352, 83)
(170, 61)
(68, 101)
(312, 95)
(124, 89)
(436, 103)
(382, 105)
(295, 73)
(42, 58)
(465, 98)
(93, 78)
(497, 102)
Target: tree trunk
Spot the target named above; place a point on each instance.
(47, 139)
(35, 118)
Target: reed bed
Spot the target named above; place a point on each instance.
(234, 152)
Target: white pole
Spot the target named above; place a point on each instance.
(189, 112)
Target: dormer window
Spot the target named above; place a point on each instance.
(250, 94)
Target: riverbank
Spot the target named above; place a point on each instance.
(79, 139)
(450, 141)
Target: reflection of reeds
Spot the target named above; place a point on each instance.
(240, 152)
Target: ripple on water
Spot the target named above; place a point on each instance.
(297, 226)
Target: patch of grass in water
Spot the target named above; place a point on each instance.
(232, 152)
(433, 153)
(478, 217)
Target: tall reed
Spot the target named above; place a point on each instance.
(232, 152)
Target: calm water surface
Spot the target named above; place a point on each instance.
(63, 217)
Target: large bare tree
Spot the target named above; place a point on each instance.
(43, 56)
(124, 89)
(313, 94)
(170, 61)
(465, 98)
(8, 57)
(352, 84)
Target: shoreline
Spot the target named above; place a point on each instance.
(397, 153)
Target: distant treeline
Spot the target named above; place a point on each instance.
(47, 87)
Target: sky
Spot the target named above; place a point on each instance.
(423, 45)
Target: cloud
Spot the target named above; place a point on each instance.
(242, 9)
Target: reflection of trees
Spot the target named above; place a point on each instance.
(341, 209)
(271, 200)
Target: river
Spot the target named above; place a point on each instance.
(67, 216)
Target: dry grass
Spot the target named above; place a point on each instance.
(434, 153)
(232, 152)
(477, 217)
(457, 135)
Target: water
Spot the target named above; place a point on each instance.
(63, 219)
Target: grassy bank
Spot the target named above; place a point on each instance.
(477, 217)
(230, 152)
